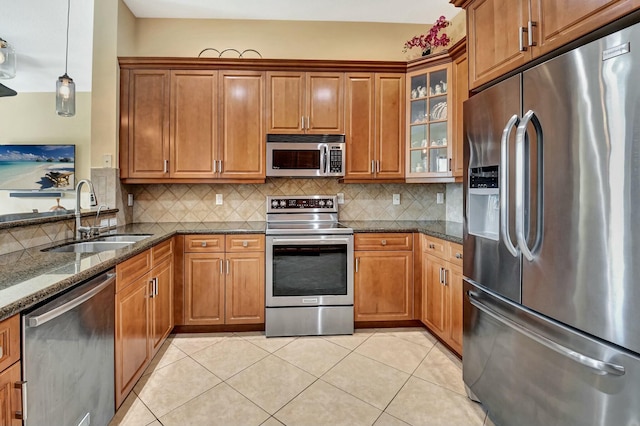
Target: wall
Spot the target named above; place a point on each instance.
(196, 203)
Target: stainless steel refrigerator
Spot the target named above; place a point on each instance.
(552, 240)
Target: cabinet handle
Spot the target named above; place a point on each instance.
(203, 244)
(432, 246)
(215, 166)
(440, 273)
(383, 242)
(156, 286)
(357, 263)
(521, 32)
(166, 166)
(449, 164)
(221, 267)
(220, 166)
(228, 266)
(22, 385)
(458, 255)
(530, 26)
(377, 166)
(445, 273)
(245, 243)
(373, 166)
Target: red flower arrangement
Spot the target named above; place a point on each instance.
(430, 40)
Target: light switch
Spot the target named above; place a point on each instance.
(106, 161)
(340, 197)
(218, 199)
(396, 199)
(439, 197)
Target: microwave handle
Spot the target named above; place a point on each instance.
(323, 160)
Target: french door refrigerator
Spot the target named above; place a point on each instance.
(552, 240)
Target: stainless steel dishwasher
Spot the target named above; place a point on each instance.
(68, 359)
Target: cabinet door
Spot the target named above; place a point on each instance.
(559, 22)
(495, 36)
(242, 140)
(244, 295)
(383, 286)
(324, 103)
(285, 94)
(162, 303)
(434, 303)
(10, 398)
(204, 288)
(389, 125)
(9, 341)
(360, 130)
(454, 295)
(460, 69)
(132, 347)
(146, 139)
(194, 121)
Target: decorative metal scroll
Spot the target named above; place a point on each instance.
(240, 54)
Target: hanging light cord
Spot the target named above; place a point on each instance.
(66, 56)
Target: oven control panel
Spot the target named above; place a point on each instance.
(315, 203)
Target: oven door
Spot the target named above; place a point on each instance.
(309, 270)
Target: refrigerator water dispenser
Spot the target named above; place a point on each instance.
(484, 201)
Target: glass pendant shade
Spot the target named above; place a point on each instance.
(7, 60)
(65, 96)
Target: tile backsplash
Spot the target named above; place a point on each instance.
(247, 202)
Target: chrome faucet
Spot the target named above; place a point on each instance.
(82, 231)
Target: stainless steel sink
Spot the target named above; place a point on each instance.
(105, 243)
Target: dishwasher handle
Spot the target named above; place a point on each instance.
(104, 280)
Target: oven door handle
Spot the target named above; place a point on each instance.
(310, 241)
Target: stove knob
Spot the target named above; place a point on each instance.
(329, 203)
(321, 203)
(274, 203)
(283, 203)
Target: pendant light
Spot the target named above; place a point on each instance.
(65, 87)
(7, 60)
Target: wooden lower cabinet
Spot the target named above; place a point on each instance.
(224, 287)
(383, 283)
(162, 303)
(442, 290)
(10, 396)
(132, 349)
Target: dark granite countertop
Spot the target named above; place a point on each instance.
(31, 276)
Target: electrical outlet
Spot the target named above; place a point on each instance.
(106, 161)
(396, 199)
(439, 198)
(129, 200)
(218, 199)
(340, 197)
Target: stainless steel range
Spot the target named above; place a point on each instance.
(309, 272)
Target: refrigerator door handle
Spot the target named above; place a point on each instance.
(522, 191)
(504, 186)
(600, 367)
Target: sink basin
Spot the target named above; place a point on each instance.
(91, 246)
(128, 238)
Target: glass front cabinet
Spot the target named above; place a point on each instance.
(429, 134)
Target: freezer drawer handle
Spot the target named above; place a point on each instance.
(600, 367)
(56, 312)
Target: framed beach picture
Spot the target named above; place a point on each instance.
(37, 167)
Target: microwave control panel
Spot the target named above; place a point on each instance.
(335, 160)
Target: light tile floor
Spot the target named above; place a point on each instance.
(382, 377)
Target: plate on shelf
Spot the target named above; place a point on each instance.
(439, 111)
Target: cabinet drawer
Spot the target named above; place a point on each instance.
(247, 242)
(387, 241)
(161, 251)
(454, 253)
(131, 269)
(9, 341)
(203, 243)
(435, 246)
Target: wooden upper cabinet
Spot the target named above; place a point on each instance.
(360, 126)
(242, 141)
(496, 38)
(460, 70)
(305, 102)
(194, 124)
(559, 22)
(389, 125)
(144, 131)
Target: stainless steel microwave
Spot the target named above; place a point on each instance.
(305, 155)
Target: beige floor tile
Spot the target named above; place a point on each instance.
(312, 354)
(190, 343)
(173, 385)
(388, 420)
(132, 412)
(423, 403)
(416, 335)
(168, 354)
(271, 421)
(394, 352)
(229, 357)
(218, 406)
(156, 423)
(369, 380)
(270, 344)
(271, 383)
(323, 404)
(350, 342)
(439, 368)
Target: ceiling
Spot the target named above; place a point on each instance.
(36, 28)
